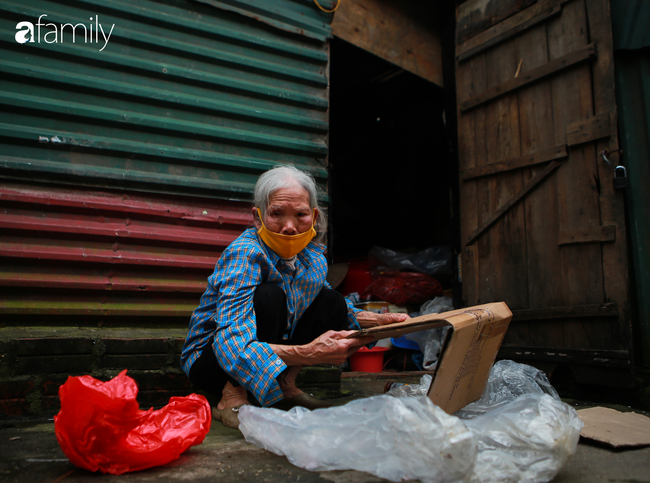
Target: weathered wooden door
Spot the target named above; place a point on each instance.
(542, 226)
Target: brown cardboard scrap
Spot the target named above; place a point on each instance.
(468, 354)
(615, 428)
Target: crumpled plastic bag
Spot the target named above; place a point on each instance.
(100, 425)
(521, 435)
(507, 381)
(393, 438)
(434, 261)
(527, 440)
(431, 341)
(411, 390)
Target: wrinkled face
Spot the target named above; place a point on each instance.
(288, 212)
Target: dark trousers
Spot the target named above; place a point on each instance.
(328, 311)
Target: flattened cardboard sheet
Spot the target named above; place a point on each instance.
(468, 354)
(615, 428)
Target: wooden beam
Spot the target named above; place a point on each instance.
(571, 312)
(606, 358)
(508, 28)
(589, 129)
(556, 152)
(591, 234)
(511, 202)
(529, 77)
(403, 33)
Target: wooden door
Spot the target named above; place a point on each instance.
(542, 226)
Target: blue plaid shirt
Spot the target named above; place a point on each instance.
(225, 317)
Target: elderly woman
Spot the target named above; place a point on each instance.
(268, 309)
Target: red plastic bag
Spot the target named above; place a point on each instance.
(101, 427)
(402, 288)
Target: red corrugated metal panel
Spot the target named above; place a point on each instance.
(79, 251)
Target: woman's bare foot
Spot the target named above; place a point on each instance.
(232, 396)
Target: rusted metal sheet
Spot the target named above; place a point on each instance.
(74, 240)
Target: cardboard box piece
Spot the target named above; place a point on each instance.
(615, 428)
(467, 354)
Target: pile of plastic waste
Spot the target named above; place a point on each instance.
(518, 431)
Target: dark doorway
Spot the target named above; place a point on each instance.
(390, 175)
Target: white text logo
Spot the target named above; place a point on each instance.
(53, 33)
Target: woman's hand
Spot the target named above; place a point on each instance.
(330, 348)
(333, 348)
(372, 319)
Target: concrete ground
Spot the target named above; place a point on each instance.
(29, 452)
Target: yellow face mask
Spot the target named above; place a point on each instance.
(286, 246)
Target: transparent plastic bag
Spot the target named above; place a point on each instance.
(412, 390)
(431, 341)
(527, 436)
(437, 305)
(393, 438)
(507, 381)
(526, 440)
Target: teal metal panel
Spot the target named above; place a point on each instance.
(633, 100)
(182, 98)
(630, 24)
(298, 16)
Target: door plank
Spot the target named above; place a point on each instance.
(550, 68)
(578, 311)
(539, 157)
(501, 255)
(512, 201)
(475, 16)
(471, 141)
(590, 129)
(508, 28)
(606, 358)
(580, 266)
(591, 234)
(540, 205)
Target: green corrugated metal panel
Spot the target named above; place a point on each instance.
(298, 16)
(184, 98)
(633, 99)
(631, 23)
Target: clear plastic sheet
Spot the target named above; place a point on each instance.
(412, 390)
(521, 435)
(526, 440)
(507, 381)
(431, 341)
(393, 438)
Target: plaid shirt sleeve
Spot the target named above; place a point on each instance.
(226, 319)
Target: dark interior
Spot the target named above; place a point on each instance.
(391, 179)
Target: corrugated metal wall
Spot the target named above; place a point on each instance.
(124, 171)
(630, 21)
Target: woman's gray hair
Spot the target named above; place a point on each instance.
(286, 176)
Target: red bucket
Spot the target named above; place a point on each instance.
(368, 360)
